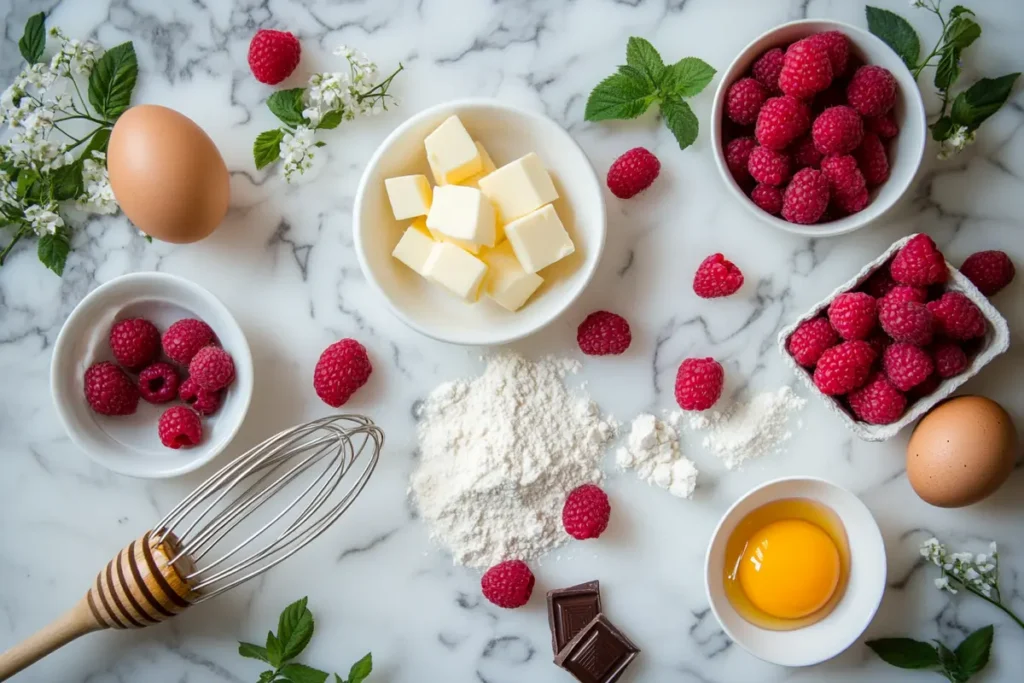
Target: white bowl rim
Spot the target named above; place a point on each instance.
(467, 339)
(915, 110)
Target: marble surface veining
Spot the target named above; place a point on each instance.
(283, 262)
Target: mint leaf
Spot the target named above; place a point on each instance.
(253, 652)
(962, 32)
(905, 653)
(66, 182)
(974, 651)
(896, 32)
(640, 54)
(287, 106)
(981, 100)
(681, 120)
(687, 77)
(950, 663)
(948, 69)
(329, 120)
(618, 97)
(113, 80)
(273, 649)
(300, 673)
(33, 40)
(361, 669)
(942, 129)
(267, 147)
(958, 10)
(294, 629)
(53, 250)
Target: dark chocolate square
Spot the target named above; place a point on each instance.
(570, 610)
(600, 653)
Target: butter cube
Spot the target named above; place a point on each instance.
(414, 249)
(507, 283)
(488, 167)
(539, 239)
(456, 270)
(462, 213)
(421, 225)
(409, 196)
(451, 153)
(520, 187)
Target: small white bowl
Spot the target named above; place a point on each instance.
(854, 612)
(905, 151)
(507, 133)
(129, 444)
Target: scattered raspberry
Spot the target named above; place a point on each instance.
(906, 321)
(837, 47)
(135, 342)
(872, 91)
(837, 130)
(878, 402)
(806, 154)
(806, 70)
(872, 160)
(768, 67)
(844, 178)
(343, 368)
(273, 55)
(633, 172)
(950, 359)
(109, 390)
(508, 584)
(767, 198)
(810, 340)
(883, 126)
(183, 339)
(906, 365)
(907, 293)
(781, 121)
(806, 197)
(853, 315)
(844, 367)
(716, 276)
(957, 317)
(180, 427)
(603, 334)
(202, 401)
(880, 283)
(699, 383)
(586, 512)
(990, 271)
(919, 263)
(737, 153)
(212, 368)
(768, 166)
(845, 204)
(159, 383)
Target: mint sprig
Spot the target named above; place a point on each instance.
(958, 666)
(645, 79)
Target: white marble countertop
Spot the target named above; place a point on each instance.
(283, 263)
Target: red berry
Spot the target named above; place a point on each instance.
(950, 359)
(872, 91)
(806, 154)
(810, 340)
(135, 342)
(633, 172)
(212, 368)
(878, 401)
(853, 315)
(925, 388)
(699, 383)
(990, 271)
(767, 198)
(159, 383)
(202, 401)
(906, 365)
(743, 101)
(844, 367)
(837, 46)
(183, 339)
(907, 293)
(880, 283)
(879, 341)
(343, 367)
(919, 263)
(845, 204)
(837, 130)
(716, 276)
(844, 178)
(806, 70)
(586, 512)
(872, 160)
(737, 153)
(603, 334)
(273, 55)
(508, 584)
(768, 166)
(883, 126)
(768, 67)
(906, 321)
(781, 121)
(109, 390)
(806, 197)
(180, 427)
(957, 317)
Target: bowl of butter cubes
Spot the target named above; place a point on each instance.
(479, 222)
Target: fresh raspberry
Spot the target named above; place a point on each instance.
(183, 339)
(716, 276)
(872, 160)
(737, 154)
(109, 390)
(159, 383)
(273, 55)
(810, 340)
(872, 91)
(768, 67)
(743, 101)
(768, 166)
(806, 70)
(837, 130)
(781, 121)
(925, 388)
(837, 47)
(135, 342)
(957, 317)
(906, 321)
(879, 341)
(907, 293)
(844, 178)
(806, 154)
(508, 584)
(603, 334)
(212, 368)
(180, 427)
(883, 126)
(586, 512)
(878, 401)
(844, 367)
(343, 368)
(880, 283)
(906, 365)
(699, 383)
(767, 198)
(990, 271)
(806, 197)
(633, 172)
(919, 263)
(950, 359)
(845, 204)
(202, 401)
(853, 315)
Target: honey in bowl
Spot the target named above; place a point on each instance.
(787, 564)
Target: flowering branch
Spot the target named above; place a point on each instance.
(963, 571)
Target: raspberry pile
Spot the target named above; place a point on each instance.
(807, 130)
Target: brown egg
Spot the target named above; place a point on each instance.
(167, 174)
(961, 451)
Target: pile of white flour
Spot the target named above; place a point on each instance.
(498, 455)
(653, 451)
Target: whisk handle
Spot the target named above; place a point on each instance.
(76, 622)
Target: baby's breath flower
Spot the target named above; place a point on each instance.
(297, 151)
(43, 220)
(99, 195)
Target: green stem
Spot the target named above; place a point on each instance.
(86, 138)
(7, 249)
(85, 104)
(383, 86)
(987, 599)
(942, 39)
(87, 118)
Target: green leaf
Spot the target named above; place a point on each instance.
(294, 629)
(66, 181)
(896, 32)
(618, 97)
(287, 106)
(253, 652)
(974, 651)
(148, 238)
(98, 143)
(681, 120)
(53, 250)
(329, 121)
(982, 100)
(113, 80)
(950, 663)
(687, 77)
(273, 649)
(267, 676)
(267, 147)
(300, 673)
(361, 669)
(905, 653)
(948, 69)
(26, 179)
(942, 129)
(338, 679)
(640, 54)
(958, 10)
(33, 40)
(962, 32)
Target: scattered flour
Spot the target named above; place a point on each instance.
(653, 451)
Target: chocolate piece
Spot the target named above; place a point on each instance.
(600, 653)
(570, 609)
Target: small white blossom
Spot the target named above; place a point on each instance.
(44, 220)
(943, 584)
(99, 195)
(956, 142)
(297, 151)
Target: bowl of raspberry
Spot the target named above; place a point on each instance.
(819, 127)
(151, 376)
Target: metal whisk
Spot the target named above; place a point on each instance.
(206, 545)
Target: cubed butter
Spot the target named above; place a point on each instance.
(409, 196)
(539, 239)
(451, 152)
(520, 187)
(507, 283)
(414, 249)
(487, 164)
(456, 270)
(463, 213)
(421, 225)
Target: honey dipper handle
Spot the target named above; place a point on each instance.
(76, 622)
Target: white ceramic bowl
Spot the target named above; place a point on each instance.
(507, 133)
(851, 616)
(905, 151)
(129, 444)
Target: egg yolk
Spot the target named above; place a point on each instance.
(790, 568)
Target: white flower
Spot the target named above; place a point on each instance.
(98, 195)
(956, 142)
(943, 584)
(44, 220)
(297, 151)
